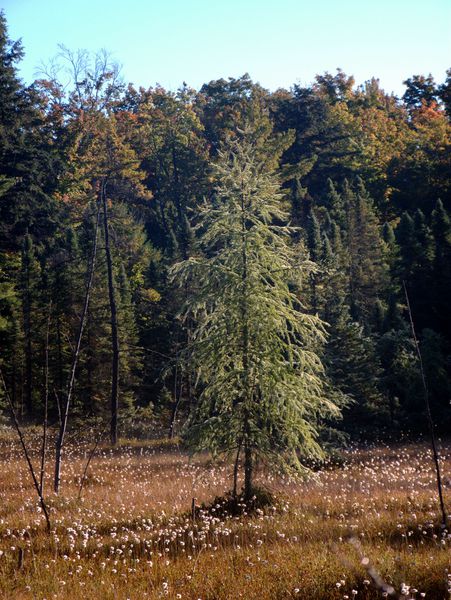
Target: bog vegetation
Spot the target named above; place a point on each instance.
(205, 297)
(132, 534)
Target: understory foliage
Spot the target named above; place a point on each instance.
(141, 541)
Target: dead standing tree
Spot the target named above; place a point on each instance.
(428, 411)
(26, 453)
(103, 155)
(71, 380)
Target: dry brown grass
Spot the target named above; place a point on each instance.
(131, 535)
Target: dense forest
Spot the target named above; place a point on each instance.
(117, 204)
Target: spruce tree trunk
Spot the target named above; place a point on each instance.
(114, 328)
(27, 332)
(60, 356)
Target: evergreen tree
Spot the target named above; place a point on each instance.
(336, 205)
(393, 314)
(441, 276)
(391, 252)
(253, 346)
(415, 264)
(445, 93)
(30, 273)
(11, 322)
(420, 90)
(420, 285)
(301, 203)
(400, 376)
(388, 234)
(28, 160)
(65, 274)
(406, 239)
(352, 366)
(436, 368)
(361, 233)
(131, 357)
(314, 244)
(336, 280)
(314, 237)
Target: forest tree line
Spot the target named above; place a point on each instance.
(365, 184)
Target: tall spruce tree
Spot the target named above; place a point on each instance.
(29, 282)
(314, 244)
(253, 346)
(66, 281)
(352, 366)
(441, 229)
(367, 269)
(29, 164)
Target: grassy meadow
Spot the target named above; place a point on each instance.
(132, 534)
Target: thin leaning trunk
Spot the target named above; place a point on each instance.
(114, 327)
(428, 412)
(26, 454)
(70, 385)
(89, 398)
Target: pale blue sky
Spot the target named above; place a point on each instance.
(278, 42)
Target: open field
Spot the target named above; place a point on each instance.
(131, 536)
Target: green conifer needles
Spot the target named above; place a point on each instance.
(253, 348)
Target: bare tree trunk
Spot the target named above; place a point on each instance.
(46, 404)
(428, 412)
(25, 451)
(58, 406)
(63, 425)
(114, 328)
